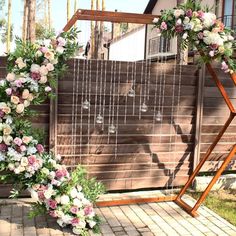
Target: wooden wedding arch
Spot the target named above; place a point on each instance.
(117, 17)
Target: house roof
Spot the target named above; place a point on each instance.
(150, 6)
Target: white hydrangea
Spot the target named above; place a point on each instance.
(209, 19)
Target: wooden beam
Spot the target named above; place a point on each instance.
(116, 17)
(135, 201)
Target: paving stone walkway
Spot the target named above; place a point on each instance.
(148, 219)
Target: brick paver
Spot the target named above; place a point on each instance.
(148, 219)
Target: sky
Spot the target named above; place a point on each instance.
(59, 12)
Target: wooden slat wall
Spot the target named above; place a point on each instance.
(143, 160)
(215, 113)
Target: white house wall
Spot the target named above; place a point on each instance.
(130, 47)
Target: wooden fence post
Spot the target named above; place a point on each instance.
(199, 115)
(53, 122)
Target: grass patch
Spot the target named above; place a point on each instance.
(221, 202)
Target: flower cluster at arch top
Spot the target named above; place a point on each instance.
(32, 73)
(203, 30)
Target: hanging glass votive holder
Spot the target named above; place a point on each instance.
(99, 119)
(144, 108)
(131, 93)
(86, 105)
(112, 129)
(159, 116)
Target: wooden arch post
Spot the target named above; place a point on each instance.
(118, 17)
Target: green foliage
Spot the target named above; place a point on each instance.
(37, 209)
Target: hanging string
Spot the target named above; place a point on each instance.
(117, 110)
(110, 102)
(134, 84)
(141, 89)
(126, 97)
(73, 110)
(104, 93)
(99, 119)
(96, 94)
(112, 128)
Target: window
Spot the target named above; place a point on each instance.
(158, 45)
(229, 10)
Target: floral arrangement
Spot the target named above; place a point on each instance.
(32, 73)
(201, 29)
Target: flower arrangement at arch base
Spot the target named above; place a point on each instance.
(33, 70)
(201, 29)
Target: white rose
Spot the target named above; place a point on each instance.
(209, 19)
(52, 175)
(60, 49)
(10, 77)
(91, 223)
(186, 20)
(77, 202)
(155, 20)
(26, 103)
(48, 193)
(20, 108)
(7, 130)
(179, 22)
(73, 193)
(11, 166)
(25, 94)
(50, 67)
(185, 35)
(45, 171)
(35, 68)
(43, 70)
(43, 80)
(60, 222)
(65, 199)
(66, 219)
(34, 194)
(15, 100)
(24, 161)
(178, 13)
(7, 139)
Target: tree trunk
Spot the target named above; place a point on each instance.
(9, 26)
(49, 15)
(31, 20)
(96, 46)
(92, 31)
(68, 10)
(25, 17)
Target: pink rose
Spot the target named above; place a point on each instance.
(75, 221)
(18, 83)
(32, 159)
(17, 141)
(74, 209)
(2, 113)
(52, 204)
(163, 25)
(8, 91)
(200, 35)
(40, 148)
(61, 173)
(22, 148)
(179, 28)
(212, 53)
(3, 147)
(200, 14)
(88, 210)
(61, 41)
(35, 76)
(189, 13)
(43, 49)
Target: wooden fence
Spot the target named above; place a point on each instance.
(148, 154)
